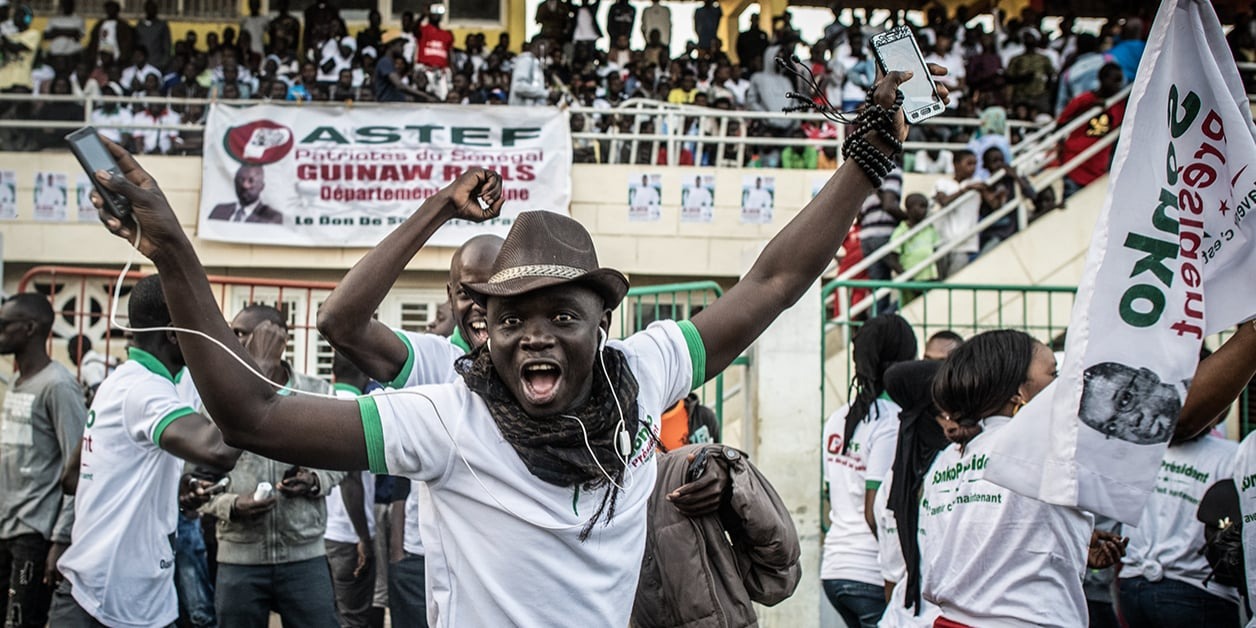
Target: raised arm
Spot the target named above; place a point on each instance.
(345, 318)
(795, 257)
(1219, 380)
(298, 429)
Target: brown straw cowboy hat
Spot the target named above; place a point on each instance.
(547, 249)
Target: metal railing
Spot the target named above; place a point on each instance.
(84, 297)
(1053, 134)
(716, 136)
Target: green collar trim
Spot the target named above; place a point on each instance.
(347, 388)
(150, 362)
(885, 395)
(458, 341)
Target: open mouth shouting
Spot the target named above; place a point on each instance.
(478, 329)
(541, 380)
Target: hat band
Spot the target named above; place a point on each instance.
(557, 271)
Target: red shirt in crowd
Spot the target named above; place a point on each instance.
(434, 46)
(1087, 134)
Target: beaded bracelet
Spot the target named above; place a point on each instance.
(874, 118)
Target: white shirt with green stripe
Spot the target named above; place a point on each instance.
(850, 549)
(121, 565)
(513, 556)
(430, 359)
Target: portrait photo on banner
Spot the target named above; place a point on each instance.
(83, 199)
(645, 197)
(697, 198)
(8, 194)
(758, 194)
(51, 196)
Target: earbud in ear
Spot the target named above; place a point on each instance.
(601, 339)
(488, 343)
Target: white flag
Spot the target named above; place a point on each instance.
(1170, 262)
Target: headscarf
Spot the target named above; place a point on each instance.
(920, 438)
(881, 342)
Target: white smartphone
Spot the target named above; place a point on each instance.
(896, 51)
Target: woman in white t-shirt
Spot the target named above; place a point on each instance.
(858, 450)
(991, 556)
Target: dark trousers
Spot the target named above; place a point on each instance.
(860, 604)
(191, 575)
(353, 593)
(407, 592)
(1169, 603)
(22, 587)
(299, 591)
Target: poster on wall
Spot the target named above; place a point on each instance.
(8, 195)
(697, 199)
(645, 197)
(83, 199)
(757, 197)
(339, 176)
(51, 196)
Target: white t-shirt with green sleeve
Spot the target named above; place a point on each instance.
(430, 359)
(850, 548)
(121, 565)
(504, 549)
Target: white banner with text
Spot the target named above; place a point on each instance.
(344, 176)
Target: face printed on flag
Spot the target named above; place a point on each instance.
(1128, 403)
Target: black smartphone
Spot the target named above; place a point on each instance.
(291, 472)
(896, 51)
(93, 156)
(697, 466)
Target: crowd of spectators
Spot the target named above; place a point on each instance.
(1019, 65)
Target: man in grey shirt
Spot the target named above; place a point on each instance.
(40, 428)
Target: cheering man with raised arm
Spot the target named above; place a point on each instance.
(398, 358)
(545, 442)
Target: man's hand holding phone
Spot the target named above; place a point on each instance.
(151, 214)
(300, 482)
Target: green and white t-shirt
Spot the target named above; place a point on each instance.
(121, 565)
(1169, 539)
(502, 547)
(850, 549)
(992, 556)
(431, 359)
